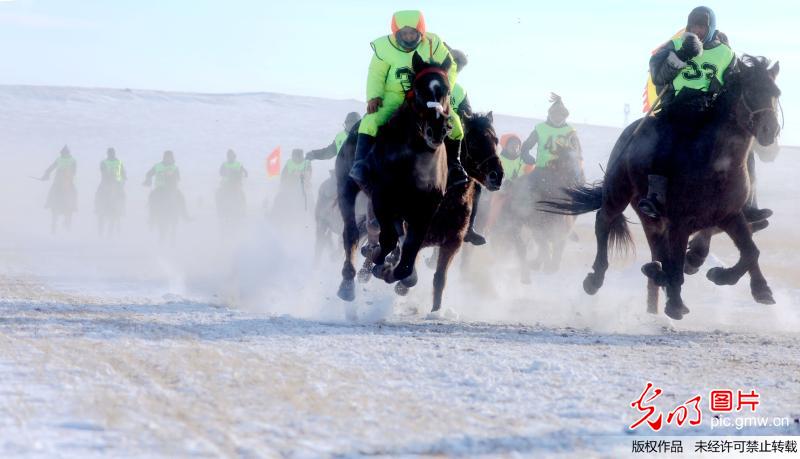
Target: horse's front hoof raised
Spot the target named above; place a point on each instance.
(411, 280)
(347, 290)
(763, 295)
(721, 276)
(689, 269)
(654, 271)
(592, 284)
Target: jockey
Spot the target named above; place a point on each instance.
(549, 135)
(111, 168)
(510, 158)
(64, 166)
(232, 170)
(297, 167)
(693, 68)
(333, 149)
(165, 172)
(459, 102)
(390, 77)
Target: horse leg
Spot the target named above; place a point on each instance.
(739, 231)
(602, 229)
(699, 246)
(350, 236)
(557, 252)
(412, 243)
(677, 239)
(656, 278)
(446, 255)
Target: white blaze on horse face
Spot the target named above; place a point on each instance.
(433, 86)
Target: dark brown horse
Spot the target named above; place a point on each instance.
(450, 222)
(550, 231)
(709, 189)
(408, 177)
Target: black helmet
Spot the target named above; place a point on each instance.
(352, 118)
(460, 58)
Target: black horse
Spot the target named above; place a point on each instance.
(709, 189)
(451, 220)
(408, 178)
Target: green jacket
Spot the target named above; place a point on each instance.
(390, 70)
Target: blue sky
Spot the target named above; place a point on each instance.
(592, 53)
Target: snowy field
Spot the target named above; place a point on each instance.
(235, 345)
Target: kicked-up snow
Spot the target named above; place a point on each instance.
(233, 343)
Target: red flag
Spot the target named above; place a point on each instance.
(274, 163)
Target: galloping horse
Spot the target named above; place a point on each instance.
(409, 176)
(709, 189)
(549, 230)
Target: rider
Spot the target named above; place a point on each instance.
(459, 102)
(232, 170)
(64, 166)
(550, 135)
(389, 78)
(510, 157)
(333, 149)
(166, 173)
(111, 168)
(689, 72)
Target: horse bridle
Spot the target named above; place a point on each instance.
(751, 114)
(480, 165)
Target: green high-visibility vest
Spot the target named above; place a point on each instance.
(340, 140)
(457, 96)
(391, 69)
(549, 136)
(512, 168)
(114, 167)
(165, 173)
(64, 162)
(702, 69)
(297, 167)
(233, 170)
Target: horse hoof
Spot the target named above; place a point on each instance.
(378, 271)
(720, 276)
(364, 275)
(347, 290)
(401, 289)
(411, 280)
(689, 269)
(675, 313)
(763, 296)
(591, 284)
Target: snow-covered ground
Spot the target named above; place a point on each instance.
(236, 345)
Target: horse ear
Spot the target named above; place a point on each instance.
(417, 63)
(490, 116)
(447, 64)
(773, 71)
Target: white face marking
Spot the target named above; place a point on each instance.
(433, 85)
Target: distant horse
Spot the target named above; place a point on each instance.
(109, 206)
(408, 176)
(167, 206)
(62, 199)
(231, 203)
(522, 215)
(328, 218)
(709, 189)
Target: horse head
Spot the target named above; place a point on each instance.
(479, 151)
(430, 100)
(756, 107)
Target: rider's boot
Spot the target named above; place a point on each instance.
(360, 170)
(455, 171)
(472, 236)
(654, 203)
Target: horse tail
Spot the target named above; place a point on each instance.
(619, 238)
(581, 199)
